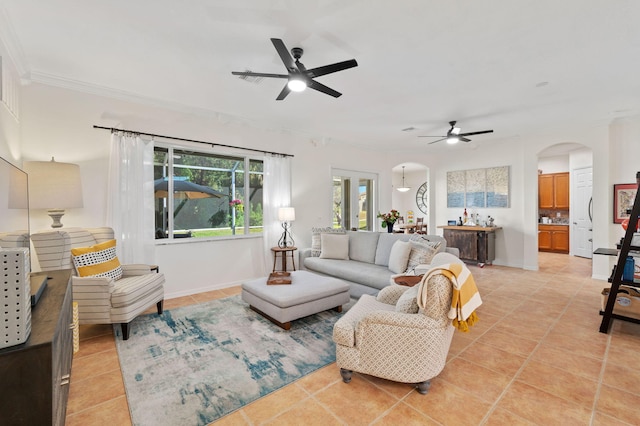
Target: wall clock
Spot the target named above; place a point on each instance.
(422, 198)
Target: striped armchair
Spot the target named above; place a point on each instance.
(100, 300)
(388, 336)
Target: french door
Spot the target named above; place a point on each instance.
(354, 199)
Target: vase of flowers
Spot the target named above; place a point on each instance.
(388, 219)
(236, 204)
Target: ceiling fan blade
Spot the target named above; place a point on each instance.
(438, 140)
(284, 54)
(463, 139)
(328, 69)
(425, 136)
(476, 133)
(259, 74)
(283, 94)
(322, 88)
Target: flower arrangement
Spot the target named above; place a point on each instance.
(389, 218)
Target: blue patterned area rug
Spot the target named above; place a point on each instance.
(195, 364)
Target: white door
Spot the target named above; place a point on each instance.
(581, 213)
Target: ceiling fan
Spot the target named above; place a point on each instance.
(299, 77)
(454, 135)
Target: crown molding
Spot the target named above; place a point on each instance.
(11, 43)
(118, 94)
(110, 92)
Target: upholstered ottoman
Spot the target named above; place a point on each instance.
(307, 294)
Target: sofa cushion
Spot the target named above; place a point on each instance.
(399, 256)
(385, 243)
(99, 260)
(362, 245)
(364, 273)
(316, 242)
(334, 246)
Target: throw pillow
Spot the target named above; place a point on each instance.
(99, 260)
(421, 254)
(421, 239)
(316, 243)
(399, 256)
(334, 246)
(408, 302)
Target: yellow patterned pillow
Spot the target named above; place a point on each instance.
(99, 260)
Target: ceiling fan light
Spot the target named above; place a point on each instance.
(453, 140)
(297, 84)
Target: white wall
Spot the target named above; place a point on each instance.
(58, 122)
(558, 164)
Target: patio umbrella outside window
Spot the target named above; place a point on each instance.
(182, 190)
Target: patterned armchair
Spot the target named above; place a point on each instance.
(101, 299)
(388, 336)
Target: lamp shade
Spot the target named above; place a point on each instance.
(54, 185)
(286, 214)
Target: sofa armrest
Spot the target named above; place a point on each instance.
(453, 250)
(133, 269)
(302, 255)
(390, 295)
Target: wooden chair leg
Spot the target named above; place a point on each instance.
(159, 305)
(125, 330)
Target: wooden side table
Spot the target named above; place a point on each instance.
(283, 254)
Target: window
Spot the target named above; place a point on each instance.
(353, 200)
(210, 195)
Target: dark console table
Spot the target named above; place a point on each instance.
(34, 376)
(476, 243)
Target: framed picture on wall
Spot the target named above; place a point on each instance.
(623, 196)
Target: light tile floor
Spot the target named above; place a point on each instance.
(535, 357)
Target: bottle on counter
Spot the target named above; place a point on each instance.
(465, 217)
(459, 221)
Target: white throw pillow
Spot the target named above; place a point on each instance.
(399, 256)
(334, 246)
(316, 233)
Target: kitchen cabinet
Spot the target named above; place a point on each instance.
(553, 191)
(553, 238)
(476, 243)
(35, 375)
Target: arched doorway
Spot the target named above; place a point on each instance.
(415, 202)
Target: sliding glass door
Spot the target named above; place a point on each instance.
(353, 199)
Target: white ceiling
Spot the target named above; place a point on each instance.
(514, 66)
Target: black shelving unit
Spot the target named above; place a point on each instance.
(616, 278)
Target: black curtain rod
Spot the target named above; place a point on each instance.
(212, 144)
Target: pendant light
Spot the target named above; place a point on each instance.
(403, 188)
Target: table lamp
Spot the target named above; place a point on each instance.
(55, 187)
(286, 215)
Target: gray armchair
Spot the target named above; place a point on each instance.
(101, 300)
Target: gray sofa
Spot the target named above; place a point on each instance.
(367, 269)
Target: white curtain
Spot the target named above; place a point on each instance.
(276, 194)
(130, 207)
